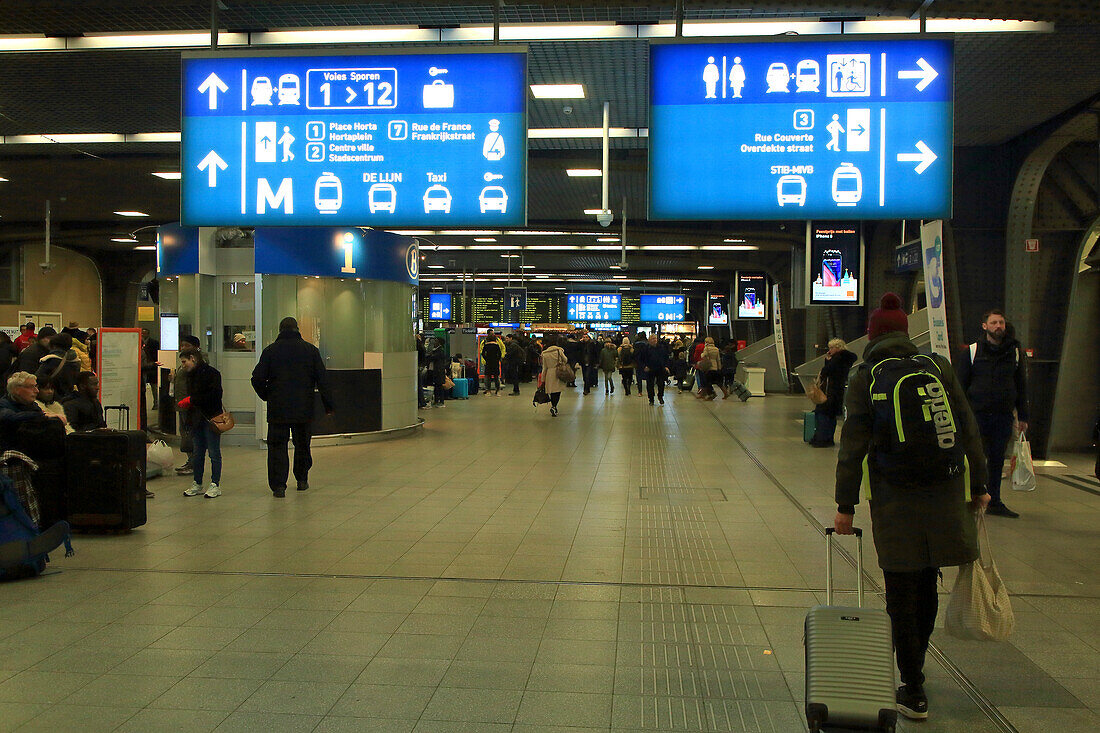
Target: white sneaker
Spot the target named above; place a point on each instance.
(194, 490)
(213, 492)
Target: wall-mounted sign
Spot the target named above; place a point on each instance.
(718, 309)
(439, 307)
(594, 307)
(177, 250)
(834, 263)
(663, 308)
(345, 252)
(752, 296)
(833, 128)
(424, 139)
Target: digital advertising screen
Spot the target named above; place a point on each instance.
(439, 307)
(752, 296)
(412, 139)
(718, 309)
(594, 307)
(790, 128)
(663, 308)
(834, 263)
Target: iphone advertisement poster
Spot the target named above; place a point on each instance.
(752, 295)
(834, 265)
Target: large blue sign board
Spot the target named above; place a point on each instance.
(414, 139)
(663, 308)
(594, 307)
(347, 252)
(830, 129)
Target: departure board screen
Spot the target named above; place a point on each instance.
(485, 309)
(632, 309)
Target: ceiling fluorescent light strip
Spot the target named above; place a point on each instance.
(86, 138)
(194, 39)
(543, 133)
(384, 34)
(17, 43)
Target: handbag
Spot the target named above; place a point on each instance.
(540, 398)
(448, 383)
(979, 608)
(1023, 473)
(564, 372)
(224, 422)
(815, 393)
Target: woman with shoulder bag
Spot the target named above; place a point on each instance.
(203, 403)
(833, 380)
(554, 367)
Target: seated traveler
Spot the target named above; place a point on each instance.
(83, 408)
(18, 409)
(48, 403)
(61, 366)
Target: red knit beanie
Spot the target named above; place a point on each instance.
(887, 317)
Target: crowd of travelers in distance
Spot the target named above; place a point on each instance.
(577, 359)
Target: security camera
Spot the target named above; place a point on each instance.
(605, 218)
(567, 109)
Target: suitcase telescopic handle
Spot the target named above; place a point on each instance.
(829, 532)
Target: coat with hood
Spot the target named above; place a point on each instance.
(914, 527)
(62, 367)
(82, 354)
(834, 378)
(609, 358)
(551, 357)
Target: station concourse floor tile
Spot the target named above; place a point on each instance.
(619, 568)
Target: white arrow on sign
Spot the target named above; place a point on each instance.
(213, 85)
(925, 157)
(925, 73)
(351, 94)
(212, 163)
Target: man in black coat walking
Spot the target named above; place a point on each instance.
(289, 372)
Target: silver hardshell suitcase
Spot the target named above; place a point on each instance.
(849, 660)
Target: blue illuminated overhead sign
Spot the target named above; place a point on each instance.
(439, 307)
(780, 129)
(412, 139)
(344, 252)
(594, 307)
(663, 308)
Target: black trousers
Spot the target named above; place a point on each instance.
(512, 375)
(591, 377)
(653, 378)
(996, 431)
(628, 378)
(912, 603)
(554, 397)
(278, 457)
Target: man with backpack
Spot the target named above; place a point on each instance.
(993, 371)
(911, 436)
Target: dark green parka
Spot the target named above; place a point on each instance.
(914, 528)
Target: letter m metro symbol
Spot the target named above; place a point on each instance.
(265, 197)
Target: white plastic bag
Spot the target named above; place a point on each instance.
(1023, 475)
(158, 453)
(979, 608)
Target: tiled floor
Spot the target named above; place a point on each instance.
(622, 567)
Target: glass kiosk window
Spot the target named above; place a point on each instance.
(238, 316)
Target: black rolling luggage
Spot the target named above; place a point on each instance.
(44, 443)
(106, 479)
